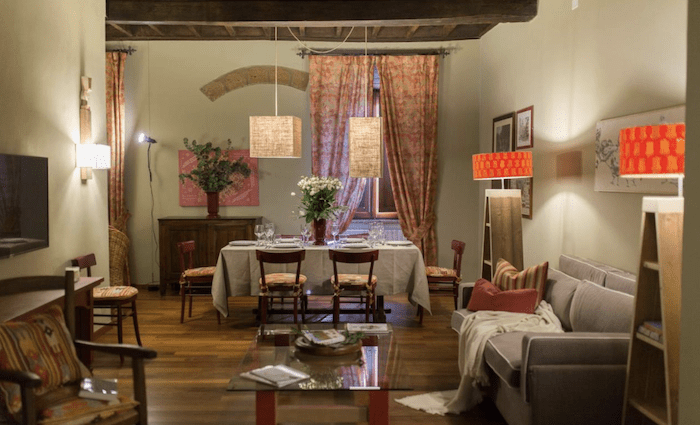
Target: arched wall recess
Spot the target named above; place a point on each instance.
(262, 74)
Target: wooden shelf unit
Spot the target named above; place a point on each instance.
(653, 366)
(209, 235)
(503, 232)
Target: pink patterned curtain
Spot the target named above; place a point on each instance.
(409, 94)
(114, 86)
(337, 85)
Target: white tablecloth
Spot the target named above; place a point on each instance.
(399, 269)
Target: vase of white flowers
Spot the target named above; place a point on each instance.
(318, 203)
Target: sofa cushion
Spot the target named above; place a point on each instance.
(458, 317)
(486, 296)
(507, 277)
(43, 345)
(559, 293)
(504, 354)
(598, 309)
(622, 281)
(581, 268)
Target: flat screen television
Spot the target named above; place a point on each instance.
(24, 204)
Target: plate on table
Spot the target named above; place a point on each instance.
(242, 243)
(355, 245)
(399, 243)
(288, 240)
(285, 246)
(354, 240)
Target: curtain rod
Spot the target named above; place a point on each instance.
(443, 52)
(129, 50)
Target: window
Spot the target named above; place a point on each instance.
(378, 198)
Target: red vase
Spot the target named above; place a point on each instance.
(320, 231)
(213, 205)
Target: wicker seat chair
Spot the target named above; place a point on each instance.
(365, 284)
(445, 279)
(194, 281)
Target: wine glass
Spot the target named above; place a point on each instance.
(305, 232)
(269, 232)
(335, 230)
(259, 233)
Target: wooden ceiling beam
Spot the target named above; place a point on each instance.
(193, 30)
(156, 30)
(412, 30)
(229, 29)
(121, 29)
(320, 13)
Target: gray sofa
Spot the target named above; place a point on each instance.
(576, 377)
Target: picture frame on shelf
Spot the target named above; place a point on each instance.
(525, 186)
(523, 129)
(503, 132)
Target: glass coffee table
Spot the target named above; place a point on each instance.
(368, 373)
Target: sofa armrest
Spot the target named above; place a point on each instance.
(464, 293)
(576, 357)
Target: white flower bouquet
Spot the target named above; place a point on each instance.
(318, 197)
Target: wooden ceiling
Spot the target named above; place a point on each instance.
(386, 20)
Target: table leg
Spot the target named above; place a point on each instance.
(266, 407)
(378, 407)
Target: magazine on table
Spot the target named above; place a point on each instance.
(368, 328)
(98, 389)
(276, 375)
(324, 337)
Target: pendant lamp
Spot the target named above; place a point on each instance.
(275, 137)
(365, 139)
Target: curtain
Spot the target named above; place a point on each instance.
(114, 86)
(337, 85)
(409, 93)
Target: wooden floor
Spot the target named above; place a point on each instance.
(187, 382)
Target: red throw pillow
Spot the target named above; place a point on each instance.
(486, 296)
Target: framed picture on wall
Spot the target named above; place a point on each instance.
(525, 186)
(523, 129)
(503, 132)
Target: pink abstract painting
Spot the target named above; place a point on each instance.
(193, 196)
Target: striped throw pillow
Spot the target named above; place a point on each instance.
(507, 277)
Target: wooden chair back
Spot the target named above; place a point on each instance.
(85, 262)
(458, 247)
(185, 250)
(353, 257)
(279, 258)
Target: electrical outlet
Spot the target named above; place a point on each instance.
(574, 4)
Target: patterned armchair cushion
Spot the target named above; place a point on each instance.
(347, 279)
(197, 272)
(435, 271)
(283, 279)
(76, 410)
(43, 345)
(114, 292)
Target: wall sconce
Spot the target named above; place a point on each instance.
(89, 156)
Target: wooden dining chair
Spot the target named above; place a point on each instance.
(364, 283)
(281, 283)
(194, 281)
(117, 300)
(441, 279)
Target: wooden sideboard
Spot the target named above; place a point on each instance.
(209, 236)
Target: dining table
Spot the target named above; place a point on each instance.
(399, 269)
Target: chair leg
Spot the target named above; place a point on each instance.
(336, 309)
(455, 287)
(136, 323)
(218, 317)
(182, 309)
(120, 331)
(296, 308)
(263, 309)
(190, 295)
(420, 314)
(304, 305)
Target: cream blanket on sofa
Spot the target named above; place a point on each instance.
(476, 330)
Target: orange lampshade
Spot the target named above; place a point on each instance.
(502, 165)
(653, 151)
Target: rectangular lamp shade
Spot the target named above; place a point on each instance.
(365, 138)
(91, 155)
(502, 165)
(275, 137)
(653, 151)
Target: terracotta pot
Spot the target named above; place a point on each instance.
(213, 205)
(320, 232)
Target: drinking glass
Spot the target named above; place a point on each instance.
(259, 233)
(335, 230)
(305, 231)
(269, 233)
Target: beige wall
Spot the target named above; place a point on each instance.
(690, 314)
(602, 60)
(40, 89)
(163, 100)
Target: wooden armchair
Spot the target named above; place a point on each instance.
(54, 395)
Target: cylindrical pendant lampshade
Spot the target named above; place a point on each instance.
(502, 165)
(275, 137)
(365, 138)
(653, 151)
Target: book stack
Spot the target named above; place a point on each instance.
(652, 329)
(324, 337)
(276, 375)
